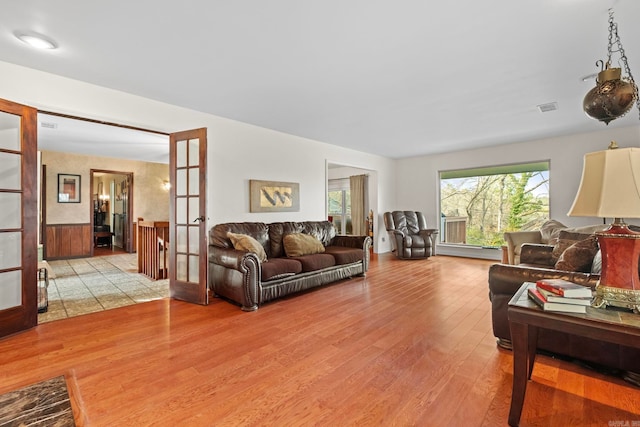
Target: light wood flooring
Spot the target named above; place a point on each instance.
(409, 345)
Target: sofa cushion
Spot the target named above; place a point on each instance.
(244, 242)
(550, 230)
(298, 244)
(315, 262)
(278, 268)
(345, 255)
(579, 256)
(566, 239)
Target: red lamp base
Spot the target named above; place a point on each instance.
(619, 284)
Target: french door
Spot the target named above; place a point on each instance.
(187, 232)
(18, 218)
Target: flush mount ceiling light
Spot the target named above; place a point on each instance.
(36, 40)
(613, 95)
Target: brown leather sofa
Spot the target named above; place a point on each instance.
(537, 262)
(240, 277)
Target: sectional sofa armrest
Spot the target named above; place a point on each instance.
(537, 254)
(236, 275)
(229, 258)
(428, 233)
(515, 240)
(507, 279)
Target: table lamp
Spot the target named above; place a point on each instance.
(610, 188)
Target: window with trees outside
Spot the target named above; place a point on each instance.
(478, 205)
(339, 205)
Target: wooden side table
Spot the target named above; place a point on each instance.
(101, 234)
(525, 317)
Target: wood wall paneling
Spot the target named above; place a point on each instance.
(68, 241)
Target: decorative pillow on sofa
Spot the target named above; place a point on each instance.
(244, 242)
(566, 239)
(596, 267)
(579, 256)
(298, 244)
(550, 230)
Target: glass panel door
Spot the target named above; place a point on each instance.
(188, 245)
(18, 246)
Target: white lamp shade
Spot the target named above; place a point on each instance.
(610, 185)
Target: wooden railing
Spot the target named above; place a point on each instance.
(153, 249)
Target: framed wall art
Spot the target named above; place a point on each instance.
(68, 188)
(274, 196)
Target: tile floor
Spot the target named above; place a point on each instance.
(85, 285)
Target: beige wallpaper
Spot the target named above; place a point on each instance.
(150, 199)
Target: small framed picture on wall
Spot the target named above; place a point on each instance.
(68, 188)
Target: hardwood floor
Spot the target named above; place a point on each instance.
(409, 345)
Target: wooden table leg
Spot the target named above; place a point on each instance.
(524, 340)
(532, 348)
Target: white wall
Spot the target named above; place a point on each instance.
(237, 152)
(565, 155)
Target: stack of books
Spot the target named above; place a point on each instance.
(560, 295)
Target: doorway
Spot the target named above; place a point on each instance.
(338, 200)
(83, 279)
(28, 131)
(111, 208)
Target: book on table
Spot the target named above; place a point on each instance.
(538, 298)
(564, 288)
(551, 297)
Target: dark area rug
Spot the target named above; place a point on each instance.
(45, 403)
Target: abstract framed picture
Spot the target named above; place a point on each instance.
(68, 188)
(274, 196)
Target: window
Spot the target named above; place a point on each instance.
(478, 205)
(339, 200)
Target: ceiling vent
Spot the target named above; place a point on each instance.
(49, 125)
(551, 106)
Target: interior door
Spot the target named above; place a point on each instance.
(18, 218)
(187, 229)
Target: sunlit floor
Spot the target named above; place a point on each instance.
(87, 285)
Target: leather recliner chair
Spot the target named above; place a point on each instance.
(410, 237)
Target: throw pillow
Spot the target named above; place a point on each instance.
(550, 230)
(244, 242)
(566, 239)
(298, 244)
(579, 256)
(596, 267)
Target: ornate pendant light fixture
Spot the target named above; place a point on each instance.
(613, 95)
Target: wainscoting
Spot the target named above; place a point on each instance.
(68, 241)
(65, 241)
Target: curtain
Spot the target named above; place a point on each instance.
(358, 186)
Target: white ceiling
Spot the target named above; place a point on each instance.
(396, 78)
(57, 133)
